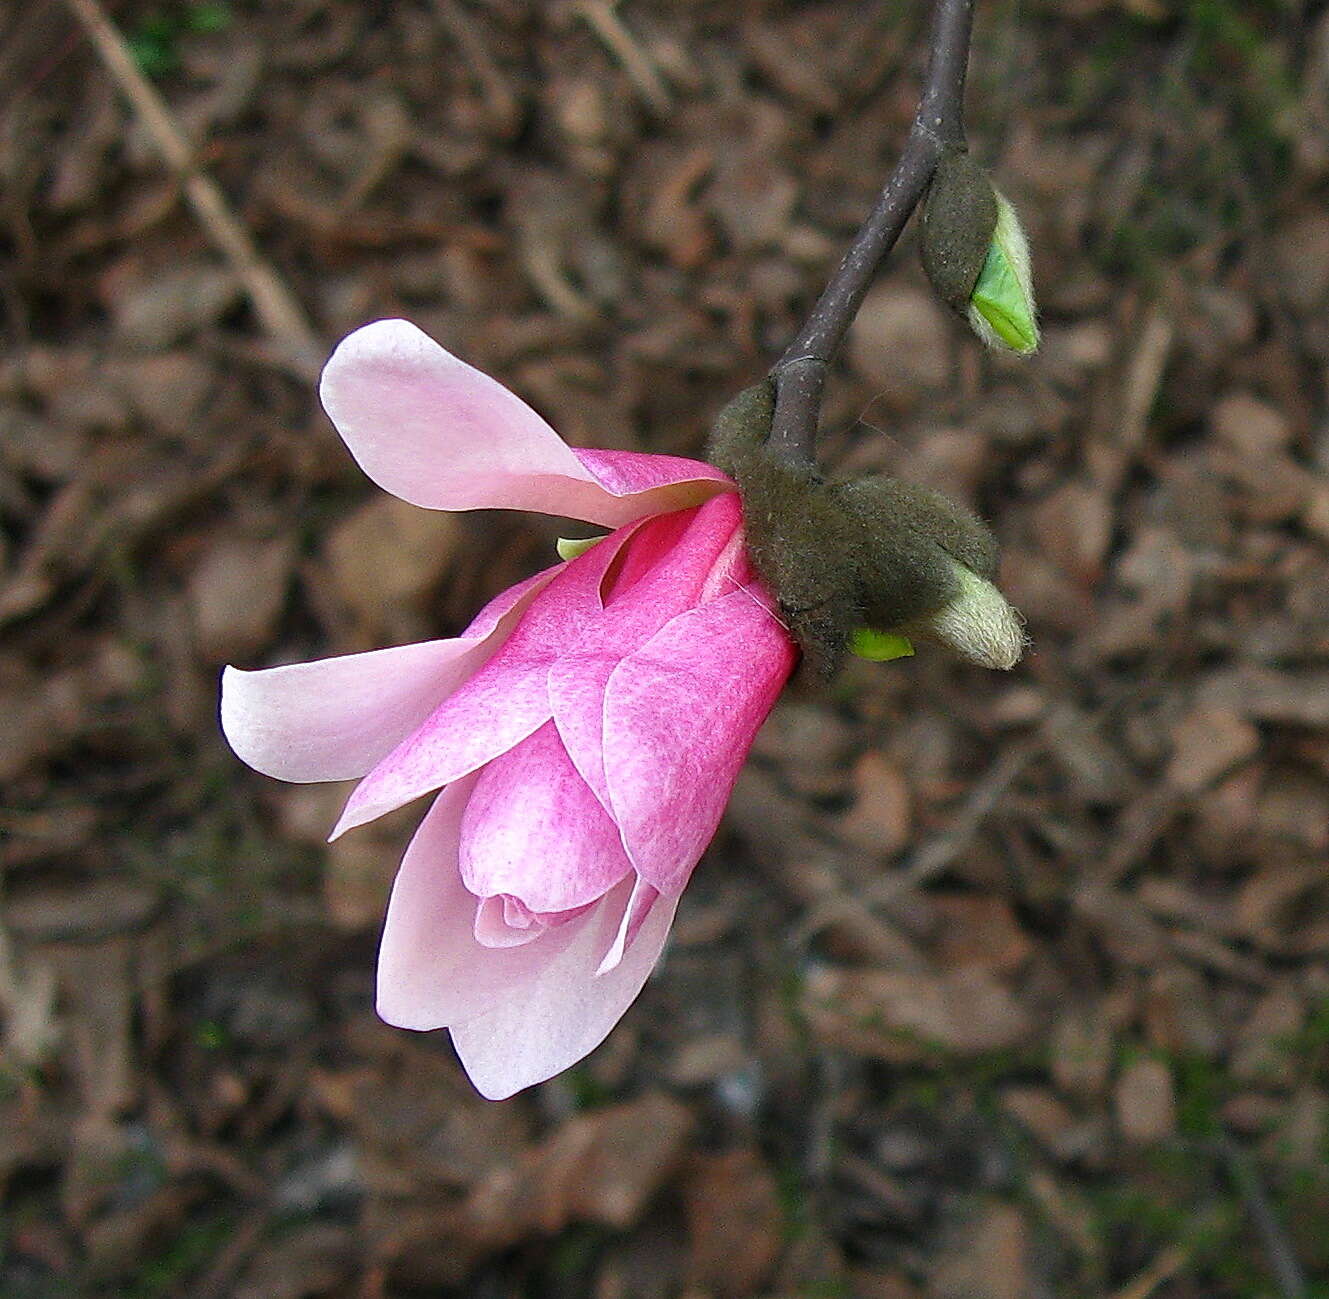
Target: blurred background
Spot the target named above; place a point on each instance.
(991, 987)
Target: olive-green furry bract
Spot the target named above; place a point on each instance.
(959, 217)
(842, 556)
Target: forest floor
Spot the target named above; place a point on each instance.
(991, 986)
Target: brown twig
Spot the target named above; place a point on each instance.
(1162, 1269)
(280, 314)
(937, 855)
(504, 105)
(832, 906)
(1282, 1257)
(602, 18)
(800, 373)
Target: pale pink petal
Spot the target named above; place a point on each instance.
(634, 916)
(534, 831)
(505, 921)
(335, 718)
(439, 433)
(431, 970)
(680, 716)
(565, 1011)
(494, 927)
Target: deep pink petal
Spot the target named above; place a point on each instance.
(503, 703)
(488, 715)
(534, 831)
(520, 687)
(576, 697)
(680, 716)
(431, 970)
(566, 1010)
(335, 718)
(669, 565)
(672, 558)
(437, 432)
(631, 472)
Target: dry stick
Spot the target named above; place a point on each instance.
(280, 314)
(800, 373)
(603, 20)
(1162, 1269)
(933, 857)
(503, 100)
(1282, 1258)
(937, 855)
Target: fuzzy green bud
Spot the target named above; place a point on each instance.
(863, 565)
(977, 623)
(959, 218)
(976, 254)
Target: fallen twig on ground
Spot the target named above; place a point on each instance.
(278, 311)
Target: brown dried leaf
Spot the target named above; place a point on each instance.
(236, 595)
(387, 554)
(1206, 744)
(1301, 253)
(311, 1260)
(437, 1133)
(1145, 1103)
(900, 341)
(602, 1167)
(1074, 527)
(735, 1222)
(989, 1259)
(979, 930)
(1039, 1110)
(1249, 426)
(1267, 695)
(154, 312)
(879, 820)
(1262, 1052)
(893, 1015)
(1082, 1048)
(1178, 1013)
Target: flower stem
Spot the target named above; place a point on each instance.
(800, 373)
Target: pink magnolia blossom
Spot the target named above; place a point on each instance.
(579, 739)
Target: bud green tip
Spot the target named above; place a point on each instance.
(571, 547)
(977, 623)
(1001, 307)
(879, 646)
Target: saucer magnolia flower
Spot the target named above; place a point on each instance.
(579, 740)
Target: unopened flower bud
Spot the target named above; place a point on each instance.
(976, 254)
(863, 565)
(977, 623)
